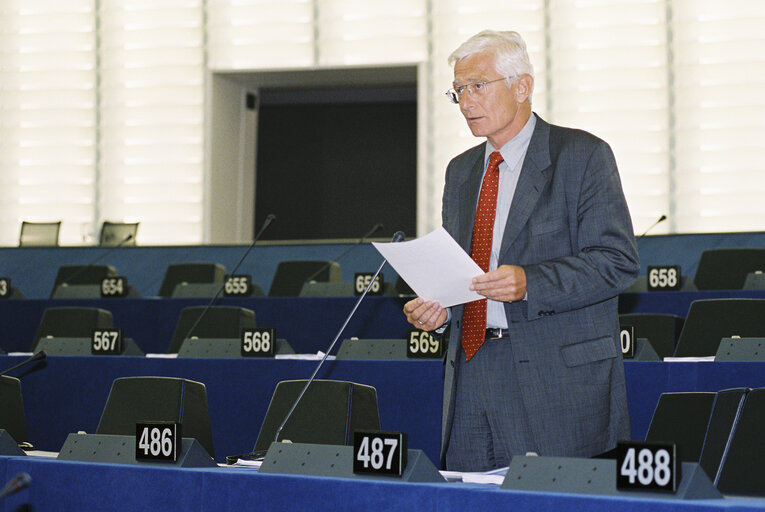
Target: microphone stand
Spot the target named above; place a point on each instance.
(271, 217)
(396, 238)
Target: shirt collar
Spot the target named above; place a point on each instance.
(514, 149)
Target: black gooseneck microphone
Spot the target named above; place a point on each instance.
(82, 269)
(36, 357)
(271, 217)
(18, 482)
(397, 237)
(377, 227)
(661, 219)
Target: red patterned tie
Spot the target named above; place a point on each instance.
(474, 317)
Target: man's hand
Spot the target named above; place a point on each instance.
(425, 314)
(505, 284)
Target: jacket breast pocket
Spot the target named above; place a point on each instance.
(589, 351)
(550, 226)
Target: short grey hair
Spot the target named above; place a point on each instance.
(511, 57)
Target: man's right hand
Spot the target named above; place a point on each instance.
(424, 314)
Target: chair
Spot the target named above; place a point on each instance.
(12, 409)
(39, 233)
(722, 421)
(290, 276)
(661, 330)
(147, 399)
(711, 320)
(71, 323)
(743, 465)
(178, 273)
(82, 275)
(116, 233)
(218, 322)
(328, 413)
(726, 269)
(682, 418)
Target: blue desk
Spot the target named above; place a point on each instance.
(69, 393)
(64, 486)
(309, 324)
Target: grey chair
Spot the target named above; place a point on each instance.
(43, 234)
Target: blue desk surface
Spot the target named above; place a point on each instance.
(63, 486)
(308, 323)
(67, 394)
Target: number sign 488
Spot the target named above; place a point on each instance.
(647, 466)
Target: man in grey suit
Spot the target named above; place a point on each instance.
(546, 374)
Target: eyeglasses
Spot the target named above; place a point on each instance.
(479, 88)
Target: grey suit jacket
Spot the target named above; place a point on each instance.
(570, 230)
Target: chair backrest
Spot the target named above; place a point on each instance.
(711, 320)
(12, 408)
(725, 413)
(682, 418)
(661, 330)
(290, 276)
(328, 413)
(116, 233)
(743, 470)
(726, 269)
(146, 399)
(71, 323)
(203, 272)
(82, 274)
(218, 322)
(39, 233)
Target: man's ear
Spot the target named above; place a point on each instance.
(524, 87)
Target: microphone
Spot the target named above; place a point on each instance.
(271, 217)
(93, 262)
(40, 355)
(18, 482)
(397, 237)
(377, 227)
(661, 219)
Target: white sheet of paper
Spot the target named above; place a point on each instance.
(434, 266)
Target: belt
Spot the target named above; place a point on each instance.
(497, 333)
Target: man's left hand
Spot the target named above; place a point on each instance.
(505, 284)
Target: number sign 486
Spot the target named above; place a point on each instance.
(382, 453)
(159, 441)
(647, 466)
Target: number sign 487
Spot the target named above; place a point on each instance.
(382, 453)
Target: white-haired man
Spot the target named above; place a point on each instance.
(536, 367)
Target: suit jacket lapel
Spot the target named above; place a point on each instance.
(469, 195)
(534, 176)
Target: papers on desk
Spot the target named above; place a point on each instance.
(689, 359)
(434, 266)
(307, 357)
(493, 477)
